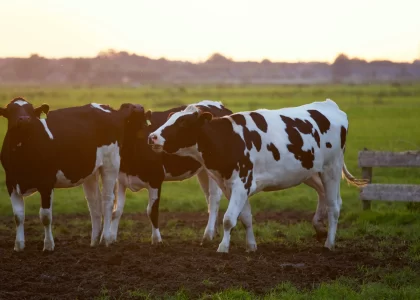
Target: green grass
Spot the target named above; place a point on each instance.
(381, 118)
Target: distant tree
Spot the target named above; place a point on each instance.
(218, 58)
(266, 61)
(341, 67)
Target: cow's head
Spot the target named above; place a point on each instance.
(180, 131)
(20, 113)
(134, 117)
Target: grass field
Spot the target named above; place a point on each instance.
(380, 118)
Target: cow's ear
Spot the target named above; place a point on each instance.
(148, 117)
(44, 108)
(204, 117)
(3, 112)
(170, 114)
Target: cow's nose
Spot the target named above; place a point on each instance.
(23, 119)
(152, 139)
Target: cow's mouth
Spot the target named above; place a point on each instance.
(156, 148)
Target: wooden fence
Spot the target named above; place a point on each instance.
(388, 192)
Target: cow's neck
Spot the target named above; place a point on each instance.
(213, 143)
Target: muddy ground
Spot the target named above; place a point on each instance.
(75, 270)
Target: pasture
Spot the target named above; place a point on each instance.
(377, 253)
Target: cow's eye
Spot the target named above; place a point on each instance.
(182, 124)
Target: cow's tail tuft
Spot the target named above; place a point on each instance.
(351, 179)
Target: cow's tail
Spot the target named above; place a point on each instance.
(351, 179)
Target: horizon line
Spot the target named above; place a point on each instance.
(198, 61)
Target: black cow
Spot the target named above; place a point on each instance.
(142, 168)
(72, 146)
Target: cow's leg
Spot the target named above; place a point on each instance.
(236, 204)
(153, 213)
(331, 177)
(109, 174)
(93, 197)
(213, 194)
(118, 210)
(246, 219)
(45, 214)
(315, 182)
(19, 212)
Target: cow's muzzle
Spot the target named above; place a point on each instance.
(152, 141)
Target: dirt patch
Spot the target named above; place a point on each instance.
(75, 270)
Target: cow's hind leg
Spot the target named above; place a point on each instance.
(213, 195)
(246, 219)
(19, 212)
(118, 210)
(109, 174)
(153, 213)
(93, 197)
(331, 177)
(45, 214)
(315, 182)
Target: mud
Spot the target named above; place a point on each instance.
(75, 270)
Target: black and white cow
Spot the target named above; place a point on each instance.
(72, 146)
(265, 150)
(141, 168)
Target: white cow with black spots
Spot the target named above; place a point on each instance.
(265, 150)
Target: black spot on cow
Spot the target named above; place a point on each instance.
(259, 120)
(322, 121)
(293, 129)
(328, 145)
(216, 111)
(251, 137)
(276, 154)
(239, 119)
(343, 135)
(316, 137)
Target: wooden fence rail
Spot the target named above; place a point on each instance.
(388, 192)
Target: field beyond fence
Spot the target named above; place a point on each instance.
(378, 251)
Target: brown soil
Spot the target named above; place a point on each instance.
(75, 270)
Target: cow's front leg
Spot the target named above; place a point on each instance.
(45, 214)
(213, 195)
(19, 212)
(236, 204)
(153, 213)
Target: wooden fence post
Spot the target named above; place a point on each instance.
(367, 174)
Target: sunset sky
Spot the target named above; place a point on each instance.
(299, 30)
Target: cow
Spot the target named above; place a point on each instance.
(265, 150)
(71, 146)
(142, 168)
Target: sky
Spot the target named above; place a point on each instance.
(279, 30)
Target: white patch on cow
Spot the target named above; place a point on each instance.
(207, 103)
(106, 152)
(98, 106)
(20, 102)
(44, 123)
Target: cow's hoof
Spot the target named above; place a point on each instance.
(223, 248)
(329, 246)
(48, 246)
(207, 237)
(19, 246)
(251, 247)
